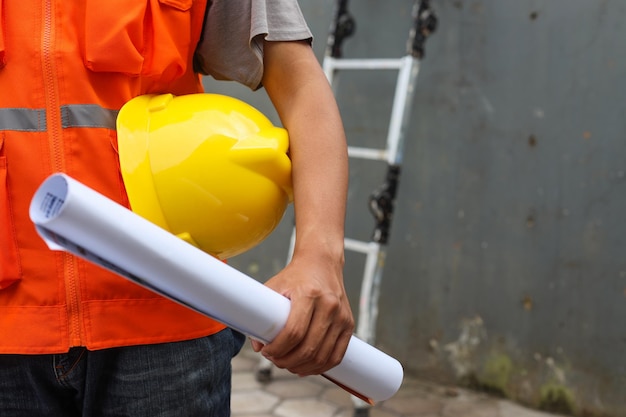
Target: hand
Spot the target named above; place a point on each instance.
(320, 322)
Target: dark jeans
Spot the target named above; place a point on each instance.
(190, 378)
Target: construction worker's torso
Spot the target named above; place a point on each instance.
(66, 68)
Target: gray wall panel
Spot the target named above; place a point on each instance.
(507, 264)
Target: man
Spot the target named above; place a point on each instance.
(77, 340)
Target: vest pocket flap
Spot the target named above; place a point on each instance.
(114, 35)
(149, 38)
(183, 5)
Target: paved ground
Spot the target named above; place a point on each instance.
(286, 395)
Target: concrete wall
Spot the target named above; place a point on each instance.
(507, 260)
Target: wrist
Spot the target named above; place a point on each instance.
(322, 247)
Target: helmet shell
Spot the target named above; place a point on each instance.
(208, 168)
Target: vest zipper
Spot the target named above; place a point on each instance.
(55, 142)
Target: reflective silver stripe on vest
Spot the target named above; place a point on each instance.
(87, 115)
(23, 120)
(72, 115)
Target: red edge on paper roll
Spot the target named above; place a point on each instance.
(350, 390)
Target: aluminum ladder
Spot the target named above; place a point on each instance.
(382, 200)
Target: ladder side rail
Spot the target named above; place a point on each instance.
(370, 294)
(401, 109)
(292, 245)
(364, 329)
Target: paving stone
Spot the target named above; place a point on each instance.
(421, 415)
(510, 409)
(252, 415)
(296, 388)
(413, 387)
(471, 408)
(247, 351)
(304, 408)
(255, 401)
(414, 406)
(245, 381)
(241, 363)
(337, 396)
(380, 412)
(344, 413)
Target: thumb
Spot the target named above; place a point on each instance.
(256, 345)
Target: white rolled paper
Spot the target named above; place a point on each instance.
(73, 217)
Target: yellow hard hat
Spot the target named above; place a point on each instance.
(209, 168)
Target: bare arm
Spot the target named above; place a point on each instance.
(320, 323)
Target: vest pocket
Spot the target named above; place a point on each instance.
(10, 268)
(150, 38)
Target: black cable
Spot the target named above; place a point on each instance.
(381, 204)
(344, 26)
(424, 24)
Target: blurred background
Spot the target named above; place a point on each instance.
(506, 265)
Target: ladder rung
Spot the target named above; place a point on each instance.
(367, 153)
(360, 246)
(371, 64)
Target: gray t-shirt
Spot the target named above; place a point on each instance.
(232, 41)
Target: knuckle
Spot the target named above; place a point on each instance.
(348, 321)
(333, 302)
(294, 335)
(309, 355)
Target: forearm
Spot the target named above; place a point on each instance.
(307, 108)
(320, 177)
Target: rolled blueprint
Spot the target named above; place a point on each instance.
(73, 217)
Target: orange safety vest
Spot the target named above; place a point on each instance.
(66, 68)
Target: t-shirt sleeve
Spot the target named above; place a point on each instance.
(231, 47)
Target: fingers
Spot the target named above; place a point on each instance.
(317, 355)
(256, 345)
(315, 336)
